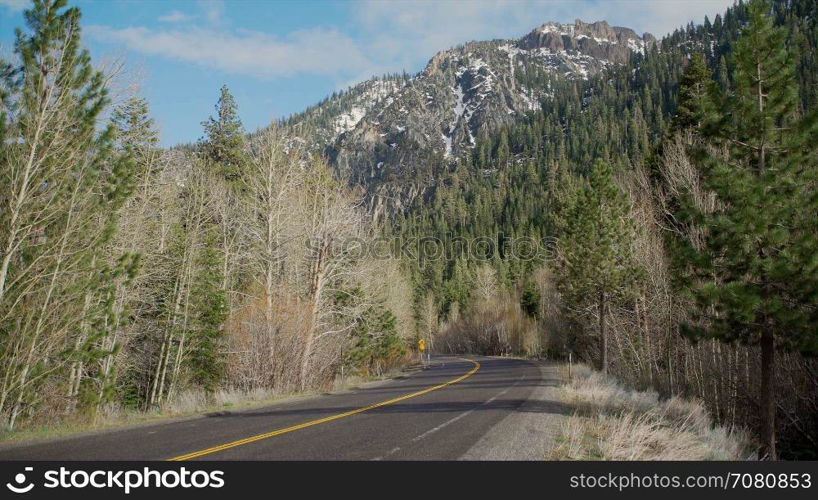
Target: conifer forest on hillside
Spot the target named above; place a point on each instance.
(645, 206)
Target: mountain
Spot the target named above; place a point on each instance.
(326, 121)
(392, 135)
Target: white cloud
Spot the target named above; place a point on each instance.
(173, 16)
(661, 17)
(402, 28)
(316, 51)
(213, 10)
(14, 5)
(386, 36)
(403, 34)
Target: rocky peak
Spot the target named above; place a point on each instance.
(599, 40)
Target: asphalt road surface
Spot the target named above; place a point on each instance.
(433, 414)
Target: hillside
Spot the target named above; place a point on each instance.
(392, 135)
(581, 193)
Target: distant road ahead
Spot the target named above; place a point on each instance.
(433, 414)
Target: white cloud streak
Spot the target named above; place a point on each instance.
(173, 16)
(407, 27)
(213, 10)
(386, 36)
(315, 51)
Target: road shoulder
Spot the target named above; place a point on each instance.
(531, 431)
(148, 420)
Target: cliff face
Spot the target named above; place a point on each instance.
(598, 40)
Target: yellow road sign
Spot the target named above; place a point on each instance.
(422, 345)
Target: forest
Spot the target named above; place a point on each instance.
(672, 201)
(680, 192)
(134, 277)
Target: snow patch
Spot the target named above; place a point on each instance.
(447, 141)
(376, 91)
(459, 111)
(348, 120)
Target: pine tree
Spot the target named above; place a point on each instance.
(502, 147)
(224, 140)
(695, 87)
(135, 142)
(755, 275)
(596, 238)
(63, 186)
(209, 311)
(134, 127)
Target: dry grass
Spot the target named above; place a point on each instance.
(187, 404)
(614, 423)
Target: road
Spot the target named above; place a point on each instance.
(434, 414)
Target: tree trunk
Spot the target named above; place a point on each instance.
(767, 396)
(157, 373)
(177, 364)
(317, 286)
(603, 335)
(269, 324)
(163, 373)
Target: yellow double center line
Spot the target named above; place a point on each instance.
(259, 437)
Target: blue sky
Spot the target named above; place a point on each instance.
(280, 56)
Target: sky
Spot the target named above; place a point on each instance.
(280, 56)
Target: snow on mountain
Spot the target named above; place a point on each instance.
(342, 112)
(384, 131)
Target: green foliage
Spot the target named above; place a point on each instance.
(616, 116)
(754, 276)
(135, 130)
(756, 269)
(596, 239)
(209, 305)
(224, 140)
(595, 266)
(375, 343)
(57, 159)
(695, 88)
(530, 300)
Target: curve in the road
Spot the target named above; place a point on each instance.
(278, 432)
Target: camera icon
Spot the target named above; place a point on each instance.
(20, 479)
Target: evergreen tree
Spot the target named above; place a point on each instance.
(224, 140)
(530, 300)
(374, 341)
(695, 87)
(63, 186)
(755, 276)
(135, 140)
(502, 147)
(596, 265)
(134, 127)
(209, 311)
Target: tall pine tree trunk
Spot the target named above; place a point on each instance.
(767, 339)
(603, 335)
(767, 395)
